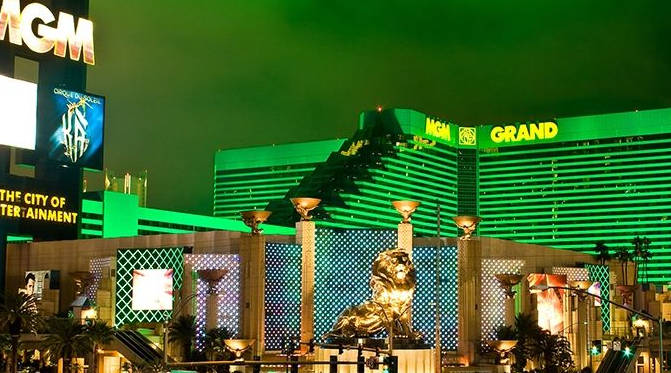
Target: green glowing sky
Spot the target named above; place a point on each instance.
(186, 78)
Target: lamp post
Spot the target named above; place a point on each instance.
(583, 286)
(306, 237)
(607, 301)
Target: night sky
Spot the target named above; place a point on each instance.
(185, 78)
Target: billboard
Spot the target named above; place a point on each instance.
(35, 282)
(549, 302)
(71, 130)
(18, 105)
(43, 209)
(152, 289)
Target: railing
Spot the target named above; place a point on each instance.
(292, 365)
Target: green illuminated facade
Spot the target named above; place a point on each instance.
(111, 214)
(565, 182)
(249, 178)
(118, 215)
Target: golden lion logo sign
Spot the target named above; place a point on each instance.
(61, 38)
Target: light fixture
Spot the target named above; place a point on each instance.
(253, 218)
(212, 277)
(238, 346)
(507, 281)
(304, 205)
(467, 223)
(406, 209)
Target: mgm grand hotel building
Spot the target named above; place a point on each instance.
(566, 183)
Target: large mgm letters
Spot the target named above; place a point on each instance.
(20, 26)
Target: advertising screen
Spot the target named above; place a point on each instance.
(71, 129)
(152, 289)
(18, 105)
(549, 302)
(44, 209)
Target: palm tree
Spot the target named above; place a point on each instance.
(602, 252)
(552, 352)
(214, 342)
(99, 334)
(18, 314)
(643, 254)
(183, 331)
(5, 348)
(67, 340)
(526, 329)
(624, 256)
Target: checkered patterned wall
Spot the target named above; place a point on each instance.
(96, 268)
(423, 309)
(282, 293)
(227, 290)
(572, 273)
(343, 269)
(601, 273)
(493, 298)
(131, 259)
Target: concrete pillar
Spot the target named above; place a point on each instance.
(305, 236)
(470, 268)
(252, 261)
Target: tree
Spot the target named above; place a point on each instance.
(18, 314)
(602, 252)
(526, 329)
(552, 353)
(99, 334)
(183, 331)
(624, 256)
(643, 254)
(214, 342)
(66, 340)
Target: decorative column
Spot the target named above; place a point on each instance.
(469, 263)
(305, 236)
(212, 277)
(406, 209)
(507, 281)
(253, 271)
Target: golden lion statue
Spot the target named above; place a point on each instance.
(393, 284)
